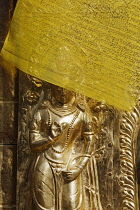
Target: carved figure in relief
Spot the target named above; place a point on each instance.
(62, 137)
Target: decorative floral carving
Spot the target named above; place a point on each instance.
(129, 126)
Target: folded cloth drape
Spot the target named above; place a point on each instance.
(88, 46)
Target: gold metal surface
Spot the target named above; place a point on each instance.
(62, 137)
(54, 135)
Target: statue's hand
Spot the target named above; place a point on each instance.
(57, 130)
(71, 174)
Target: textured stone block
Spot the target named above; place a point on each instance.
(8, 175)
(6, 12)
(8, 83)
(8, 125)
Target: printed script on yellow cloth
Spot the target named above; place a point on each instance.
(88, 46)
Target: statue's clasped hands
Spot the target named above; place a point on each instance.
(70, 175)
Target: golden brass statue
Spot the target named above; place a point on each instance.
(62, 137)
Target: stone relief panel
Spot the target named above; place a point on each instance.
(109, 180)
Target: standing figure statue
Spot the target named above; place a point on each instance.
(62, 137)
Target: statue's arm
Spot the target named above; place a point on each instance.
(39, 139)
(88, 139)
(88, 134)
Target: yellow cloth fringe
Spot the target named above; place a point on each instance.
(88, 46)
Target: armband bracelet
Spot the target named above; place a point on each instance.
(88, 133)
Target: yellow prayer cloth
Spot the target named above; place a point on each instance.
(88, 46)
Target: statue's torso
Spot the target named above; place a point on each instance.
(50, 188)
(64, 148)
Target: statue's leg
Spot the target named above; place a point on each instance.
(72, 196)
(43, 188)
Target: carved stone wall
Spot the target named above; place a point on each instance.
(8, 118)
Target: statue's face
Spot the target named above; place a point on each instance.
(62, 95)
